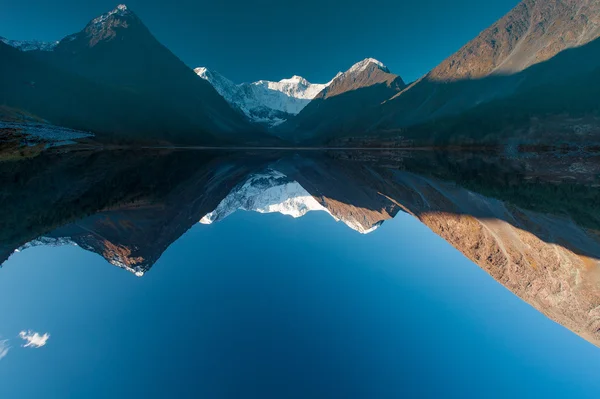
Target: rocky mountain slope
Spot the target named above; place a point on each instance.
(538, 44)
(533, 32)
(264, 102)
(351, 94)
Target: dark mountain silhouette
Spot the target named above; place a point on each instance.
(71, 100)
(163, 97)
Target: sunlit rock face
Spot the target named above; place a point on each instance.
(534, 31)
(547, 260)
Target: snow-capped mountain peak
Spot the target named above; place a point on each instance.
(364, 64)
(296, 80)
(121, 10)
(29, 45)
(266, 102)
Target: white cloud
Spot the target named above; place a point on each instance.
(34, 339)
(4, 347)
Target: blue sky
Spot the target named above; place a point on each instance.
(268, 39)
(293, 307)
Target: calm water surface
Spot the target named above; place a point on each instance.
(334, 275)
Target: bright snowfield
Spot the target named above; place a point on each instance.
(270, 192)
(265, 102)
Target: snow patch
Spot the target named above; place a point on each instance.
(364, 64)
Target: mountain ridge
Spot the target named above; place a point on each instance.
(363, 86)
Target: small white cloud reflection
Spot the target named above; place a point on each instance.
(34, 339)
(4, 347)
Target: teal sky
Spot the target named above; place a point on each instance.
(270, 39)
(270, 306)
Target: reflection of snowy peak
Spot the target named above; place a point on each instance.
(272, 191)
(266, 102)
(87, 243)
(47, 241)
(266, 192)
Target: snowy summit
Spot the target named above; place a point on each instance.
(121, 10)
(266, 102)
(364, 64)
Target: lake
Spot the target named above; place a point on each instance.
(294, 274)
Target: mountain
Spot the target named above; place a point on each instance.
(532, 32)
(29, 45)
(117, 51)
(68, 99)
(362, 87)
(540, 43)
(264, 102)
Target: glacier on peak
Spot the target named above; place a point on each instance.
(364, 64)
(266, 102)
(273, 192)
(295, 79)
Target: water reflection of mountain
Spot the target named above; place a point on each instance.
(532, 222)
